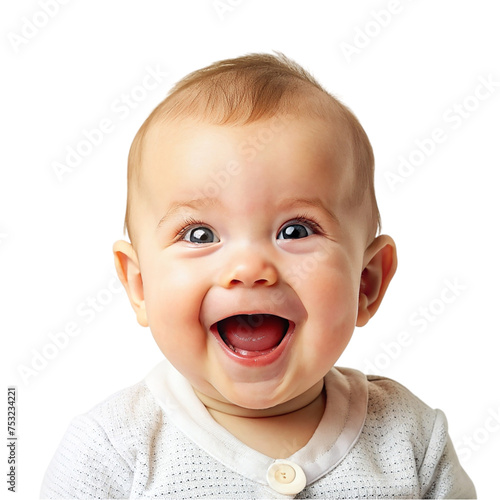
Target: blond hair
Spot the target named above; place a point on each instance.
(251, 88)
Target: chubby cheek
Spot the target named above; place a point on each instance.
(332, 304)
(173, 307)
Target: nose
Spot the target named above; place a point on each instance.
(249, 269)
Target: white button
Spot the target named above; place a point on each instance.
(286, 477)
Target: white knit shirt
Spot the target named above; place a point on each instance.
(157, 440)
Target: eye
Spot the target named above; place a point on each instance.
(200, 235)
(295, 231)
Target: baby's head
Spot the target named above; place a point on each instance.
(253, 220)
(265, 90)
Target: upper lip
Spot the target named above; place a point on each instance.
(216, 308)
(248, 313)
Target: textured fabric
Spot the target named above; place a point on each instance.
(156, 440)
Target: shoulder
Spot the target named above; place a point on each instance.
(395, 402)
(402, 449)
(126, 421)
(99, 451)
(393, 418)
(386, 402)
(395, 414)
(126, 413)
(417, 434)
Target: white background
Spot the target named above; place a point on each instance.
(408, 79)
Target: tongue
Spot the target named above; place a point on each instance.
(254, 332)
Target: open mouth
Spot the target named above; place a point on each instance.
(252, 335)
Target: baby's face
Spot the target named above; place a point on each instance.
(250, 254)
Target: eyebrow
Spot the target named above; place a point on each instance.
(196, 204)
(312, 203)
(201, 203)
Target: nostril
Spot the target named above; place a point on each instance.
(234, 282)
(261, 282)
(250, 272)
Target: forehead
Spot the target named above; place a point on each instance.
(180, 158)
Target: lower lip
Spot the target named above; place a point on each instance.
(255, 358)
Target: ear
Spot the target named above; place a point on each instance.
(129, 272)
(380, 265)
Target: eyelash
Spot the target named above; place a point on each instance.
(189, 222)
(305, 219)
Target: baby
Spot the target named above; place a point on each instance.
(253, 254)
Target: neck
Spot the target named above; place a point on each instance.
(312, 395)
